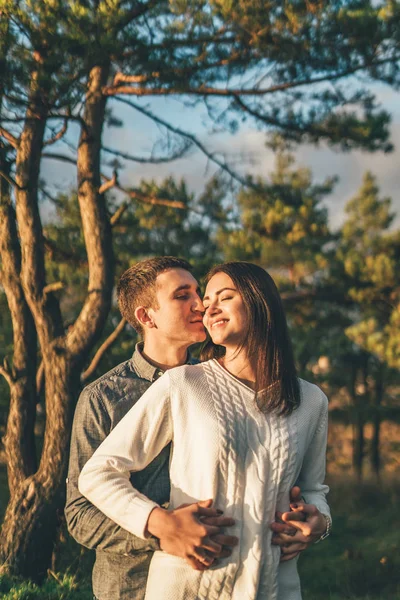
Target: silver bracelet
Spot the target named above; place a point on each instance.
(327, 530)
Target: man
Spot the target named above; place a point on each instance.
(160, 298)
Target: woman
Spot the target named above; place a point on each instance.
(244, 429)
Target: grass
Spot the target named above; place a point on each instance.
(359, 561)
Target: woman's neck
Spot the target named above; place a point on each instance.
(239, 365)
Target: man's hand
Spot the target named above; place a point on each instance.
(296, 530)
(192, 532)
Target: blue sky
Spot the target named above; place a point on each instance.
(245, 149)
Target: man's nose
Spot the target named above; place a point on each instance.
(198, 304)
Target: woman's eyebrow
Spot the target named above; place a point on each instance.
(220, 292)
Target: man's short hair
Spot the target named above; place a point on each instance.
(137, 286)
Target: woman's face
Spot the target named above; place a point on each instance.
(225, 317)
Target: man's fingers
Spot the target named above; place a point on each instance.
(279, 528)
(225, 540)
(203, 557)
(195, 564)
(218, 521)
(204, 511)
(288, 540)
(211, 546)
(225, 553)
(286, 557)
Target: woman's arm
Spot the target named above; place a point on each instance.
(312, 475)
(137, 439)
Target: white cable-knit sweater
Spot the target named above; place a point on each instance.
(223, 448)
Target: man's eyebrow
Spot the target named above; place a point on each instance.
(185, 286)
(220, 292)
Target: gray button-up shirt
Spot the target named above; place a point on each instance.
(122, 560)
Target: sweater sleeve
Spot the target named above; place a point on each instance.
(137, 439)
(312, 474)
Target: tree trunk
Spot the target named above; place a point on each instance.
(358, 426)
(19, 441)
(375, 447)
(30, 522)
(29, 528)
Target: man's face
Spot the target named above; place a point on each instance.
(179, 316)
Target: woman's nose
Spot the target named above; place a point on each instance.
(213, 308)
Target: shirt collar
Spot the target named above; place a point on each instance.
(145, 370)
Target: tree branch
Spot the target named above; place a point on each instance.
(136, 195)
(189, 136)
(9, 137)
(102, 350)
(58, 135)
(58, 156)
(9, 179)
(109, 184)
(4, 370)
(116, 89)
(118, 214)
(53, 287)
(178, 154)
(135, 13)
(39, 378)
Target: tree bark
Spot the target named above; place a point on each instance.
(375, 446)
(358, 425)
(95, 223)
(29, 527)
(19, 441)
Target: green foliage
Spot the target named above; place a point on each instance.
(369, 254)
(57, 587)
(283, 224)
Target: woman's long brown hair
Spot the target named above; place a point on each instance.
(267, 343)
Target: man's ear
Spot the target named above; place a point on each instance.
(143, 315)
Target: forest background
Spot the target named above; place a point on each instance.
(97, 87)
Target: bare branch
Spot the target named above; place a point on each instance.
(118, 214)
(53, 287)
(11, 139)
(109, 184)
(6, 372)
(136, 12)
(9, 179)
(189, 136)
(155, 161)
(136, 195)
(58, 135)
(39, 378)
(102, 350)
(58, 156)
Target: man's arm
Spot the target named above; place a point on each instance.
(86, 523)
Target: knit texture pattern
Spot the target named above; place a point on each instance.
(225, 448)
